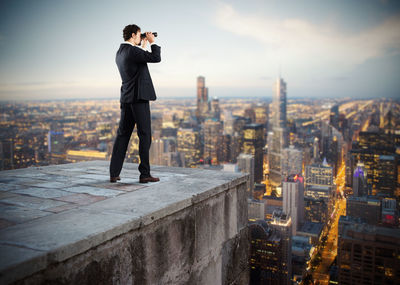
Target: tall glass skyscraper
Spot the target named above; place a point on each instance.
(202, 98)
(277, 139)
(279, 104)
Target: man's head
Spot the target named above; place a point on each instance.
(132, 31)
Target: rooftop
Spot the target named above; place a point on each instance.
(49, 214)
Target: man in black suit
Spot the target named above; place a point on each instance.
(136, 91)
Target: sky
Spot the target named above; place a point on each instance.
(66, 49)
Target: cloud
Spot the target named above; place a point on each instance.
(299, 40)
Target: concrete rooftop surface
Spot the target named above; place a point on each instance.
(49, 214)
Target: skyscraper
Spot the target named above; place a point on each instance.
(293, 200)
(253, 144)
(277, 139)
(377, 151)
(212, 141)
(360, 187)
(292, 161)
(367, 254)
(202, 99)
(188, 143)
(279, 104)
(270, 250)
(215, 111)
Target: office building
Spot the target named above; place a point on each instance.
(293, 200)
(315, 210)
(279, 104)
(360, 187)
(6, 153)
(277, 139)
(292, 161)
(367, 254)
(376, 150)
(253, 144)
(188, 143)
(156, 151)
(215, 111)
(212, 141)
(367, 208)
(319, 175)
(283, 224)
(202, 99)
(389, 212)
(270, 251)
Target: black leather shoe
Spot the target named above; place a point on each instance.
(149, 179)
(114, 179)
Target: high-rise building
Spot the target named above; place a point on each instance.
(277, 139)
(367, 254)
(279, 104)
(360, 187)
(292, 161)
(156, 151)
(283, 224)
(320, 192)
(389, 212)
(215, 111)
(245, 163)
(367, 208)
(319, 175)
(270, 251)
(6, 153)
(377, 151)
(202, 99)
(261, 114)
(275, 147)
(253, 144)
(212, 141)
(381, 170)
(188, 143)
(56, 147)
(293, 200)
(315, 210)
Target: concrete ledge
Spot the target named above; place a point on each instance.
(199, 213)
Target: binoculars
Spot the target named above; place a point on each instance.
(142, 36)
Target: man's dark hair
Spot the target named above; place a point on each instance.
(128, 30)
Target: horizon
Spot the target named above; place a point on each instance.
(340, 49)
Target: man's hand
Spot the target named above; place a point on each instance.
(144, 42)
(150, 37)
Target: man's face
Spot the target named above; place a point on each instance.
(136, 37)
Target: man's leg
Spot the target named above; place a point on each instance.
(125, 128)
(141, 113)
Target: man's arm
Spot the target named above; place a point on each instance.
(142, 56)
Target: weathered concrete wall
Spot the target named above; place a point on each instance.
(202, 242)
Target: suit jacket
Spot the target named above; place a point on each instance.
(132, 65)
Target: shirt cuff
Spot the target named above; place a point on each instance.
(153, 43)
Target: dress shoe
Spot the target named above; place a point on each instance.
(114, 179)
(148, 179)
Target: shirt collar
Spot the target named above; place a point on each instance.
(129, 43)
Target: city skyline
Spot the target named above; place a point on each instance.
(67, 49)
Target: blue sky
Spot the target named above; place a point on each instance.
(66, 49)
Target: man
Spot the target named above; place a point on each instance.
(136, 91)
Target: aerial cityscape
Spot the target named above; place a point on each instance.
(275, 142)
(324, 174)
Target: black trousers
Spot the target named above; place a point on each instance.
(131, 114)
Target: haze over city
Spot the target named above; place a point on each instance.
(66, 49)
